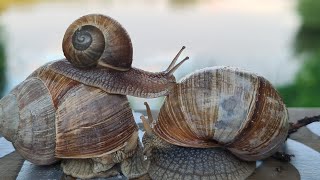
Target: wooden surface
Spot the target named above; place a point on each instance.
(304, 144)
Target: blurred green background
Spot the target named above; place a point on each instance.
(278, 39)
(304, 91)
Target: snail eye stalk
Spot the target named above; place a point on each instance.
(170, 70)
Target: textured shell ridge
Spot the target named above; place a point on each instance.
(268, 126)
(215, 68)
(102, 128)
(34, 137)
(9, 117)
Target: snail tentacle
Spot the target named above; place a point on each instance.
(177, 66)
(146, 125)
(175, 59)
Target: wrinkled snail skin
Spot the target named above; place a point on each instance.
(225, 107)
(76, 109)
(134, 82)
(181, 163)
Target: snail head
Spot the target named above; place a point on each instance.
(167, 75)
(150, 139)
(173, 66)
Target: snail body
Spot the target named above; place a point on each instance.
(76, 109)
(222, 107)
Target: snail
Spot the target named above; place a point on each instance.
(168, 161)
(216, 111)
(76, 109)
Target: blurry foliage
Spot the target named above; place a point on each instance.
(305, 90)
(310, 13)
(307, 40)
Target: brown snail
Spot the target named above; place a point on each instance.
(230, 111)
(76, 109)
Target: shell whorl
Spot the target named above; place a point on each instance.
(227, 107)
(97, 39)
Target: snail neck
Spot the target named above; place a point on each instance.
(134, 82)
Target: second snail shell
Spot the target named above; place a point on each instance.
(224, 107)
(97, 38)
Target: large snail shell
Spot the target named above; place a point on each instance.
(193, 163)
(49, 116)
(226, 107)
(89, 122)
(97, 38)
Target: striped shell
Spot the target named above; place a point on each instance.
(97, 39)
(228, 107)
(50, 116)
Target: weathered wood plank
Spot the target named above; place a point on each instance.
(10, 165)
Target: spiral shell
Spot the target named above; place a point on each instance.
(228, 107)
(97, 39)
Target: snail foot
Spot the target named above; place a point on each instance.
(87, 168)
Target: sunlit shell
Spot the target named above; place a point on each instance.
(223, 106)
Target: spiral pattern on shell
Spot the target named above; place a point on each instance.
(228, 107)
(96, 38)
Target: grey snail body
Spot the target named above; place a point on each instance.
(76, 109)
